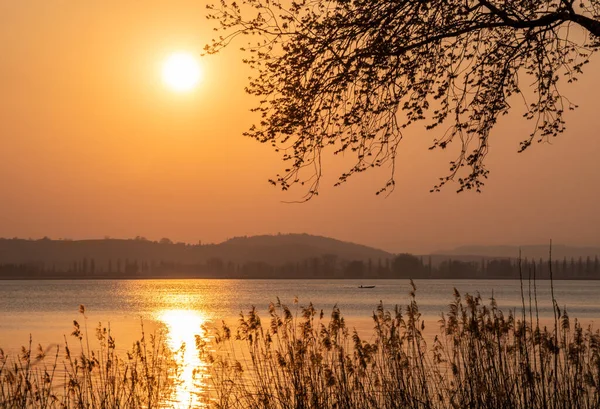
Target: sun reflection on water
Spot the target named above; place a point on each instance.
(182, 328)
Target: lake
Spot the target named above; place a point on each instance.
(45, 310)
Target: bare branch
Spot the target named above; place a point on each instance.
(353, 77)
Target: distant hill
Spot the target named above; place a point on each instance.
(278, 256)
(272, 249)
(279, 249)
(559, 251)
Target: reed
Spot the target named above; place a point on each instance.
(75, 376)
(302, 358)
(481, 358)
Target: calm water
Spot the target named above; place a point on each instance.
(45, 310)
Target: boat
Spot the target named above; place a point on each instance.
(366, 286)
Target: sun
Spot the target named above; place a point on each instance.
(181, 72)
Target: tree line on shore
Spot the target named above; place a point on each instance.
(326, 266)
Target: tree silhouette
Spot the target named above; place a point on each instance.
(407, 266)
(355, 76)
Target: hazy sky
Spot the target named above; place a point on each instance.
(94, 145)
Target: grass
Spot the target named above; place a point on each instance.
(482, 358)
(143, 377)
(299, 358)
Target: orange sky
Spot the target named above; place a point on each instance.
(94, 145)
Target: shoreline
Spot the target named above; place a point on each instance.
(293, 278)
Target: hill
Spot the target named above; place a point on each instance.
(130, 256)
(278, 256)
(285, 248)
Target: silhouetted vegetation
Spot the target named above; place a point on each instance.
(325, 267)
(75, 376)
(355, 77)
(139, 257)
(481, 358)
(298, 256)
